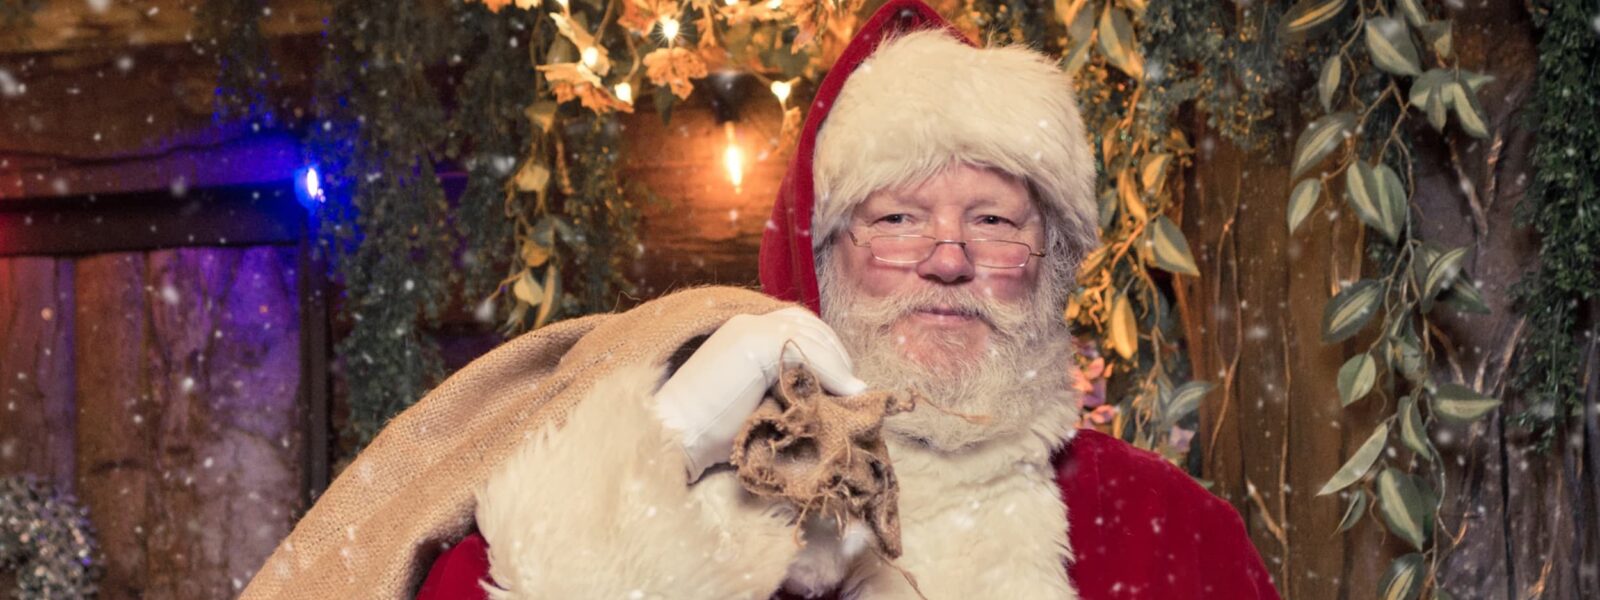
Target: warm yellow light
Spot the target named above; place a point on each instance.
(625, 92)
(781, 90)
(774, 4)
(563, 4)
(669, 28)
(733, 158)
(591, 57)
(730, 2)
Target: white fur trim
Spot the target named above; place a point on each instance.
(599, 509)
(998, 501)
(925, 101)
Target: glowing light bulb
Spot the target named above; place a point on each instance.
(625, 92)
(669, 28)
(733, 159)
(313, 184)
(730, 2)
(774, 4)
(591, 57)
(781, 90)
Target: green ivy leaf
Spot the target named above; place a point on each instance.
(1391, 47)
(1118, 43)
(1442, 272)
(1359, 462)
(1319, 139)
(1108, 209)
(1377, 196)
(1356, 378)
(1350, 310)
(1464, 297)
(1392, 202)
(1328, 80)
(1438, 36)
(1413, 12)
(1185, 400)
(1307, 15)
(1353, 512)
(1461, 404)
(1402, 581)
(1302, 200)
(1411, 430)
(1361, 188)
(1468, 112)
(1171, 248)
(1427, 92)
(1475, 81)
(1405, 356)
(1403, 507)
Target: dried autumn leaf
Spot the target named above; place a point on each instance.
(676, 68)
(1124, 329)
(585, 43)
(1118, 43)
(1307, 15)
(571, 80)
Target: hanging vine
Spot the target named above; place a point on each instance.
(1387, 66)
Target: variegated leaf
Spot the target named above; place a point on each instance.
(1390, 46)
(1359, 463)
(1171, 248)
(1328, 80)
(1461, 404)
(1356, 378)
(1302, 200)
(1319, 139)
(1350, 310)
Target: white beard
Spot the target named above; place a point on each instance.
(1022, 377)
(969, 488)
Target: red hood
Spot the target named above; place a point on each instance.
(787, 270)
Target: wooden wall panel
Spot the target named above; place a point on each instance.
(190, 449)
(36, 369)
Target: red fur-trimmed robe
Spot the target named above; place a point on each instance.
(1140, 528)
(1137, 527)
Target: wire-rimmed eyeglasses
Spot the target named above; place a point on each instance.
(913, 249)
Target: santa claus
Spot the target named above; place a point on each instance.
(929, 228)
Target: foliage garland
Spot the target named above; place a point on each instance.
(1563, 206)
(47, 540)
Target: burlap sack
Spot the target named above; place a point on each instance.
(824, 453)
(383, 521)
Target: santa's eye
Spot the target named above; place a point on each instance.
(995, 220)
(894, 219)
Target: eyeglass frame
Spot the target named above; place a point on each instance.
(935, 248)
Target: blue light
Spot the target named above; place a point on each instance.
(308, 186)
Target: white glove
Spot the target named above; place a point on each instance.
(708, 400)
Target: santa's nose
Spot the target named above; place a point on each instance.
(948, 264)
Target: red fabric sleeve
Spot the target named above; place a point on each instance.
(1141, 528)
(456, 573)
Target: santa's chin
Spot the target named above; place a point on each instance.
(943, 342)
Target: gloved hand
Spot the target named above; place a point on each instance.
(708, 400)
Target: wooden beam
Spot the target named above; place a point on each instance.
(240, 215)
